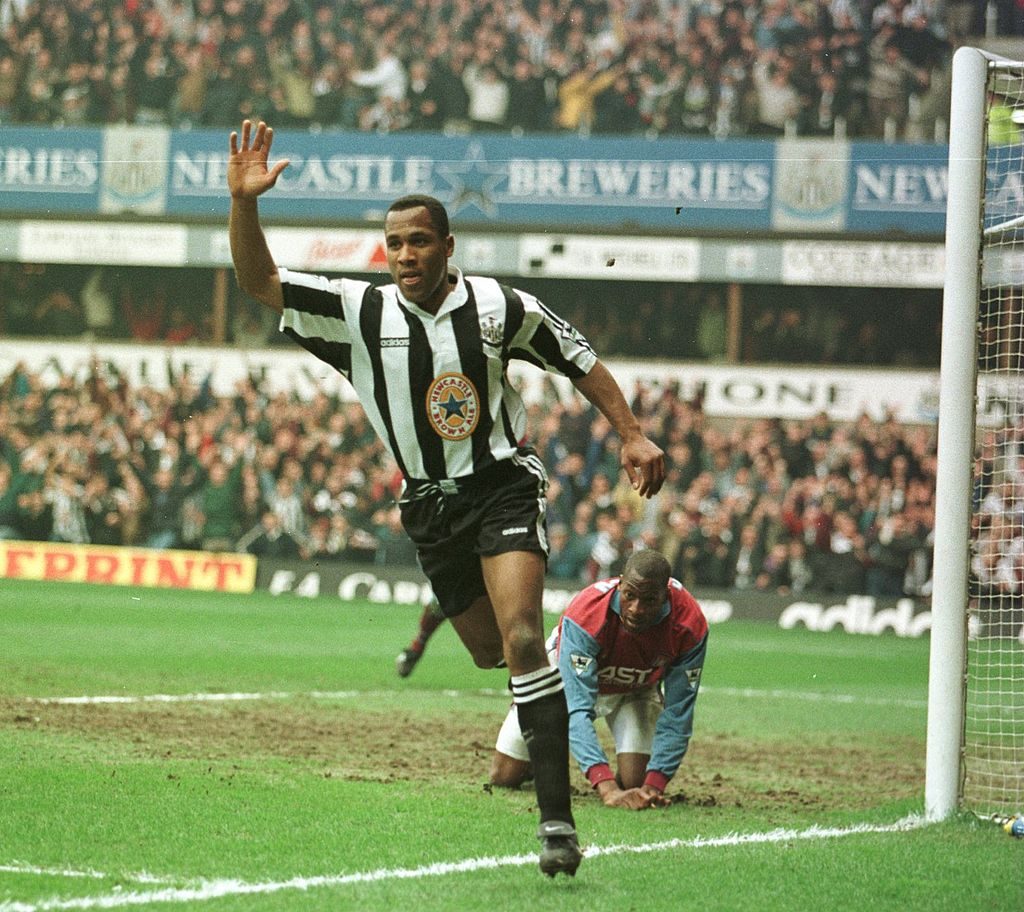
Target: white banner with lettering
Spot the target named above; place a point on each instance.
(727, 391)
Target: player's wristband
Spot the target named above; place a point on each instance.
(598, 773)
(656, 779)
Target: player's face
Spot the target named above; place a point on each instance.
(640, 602)
(418, 257)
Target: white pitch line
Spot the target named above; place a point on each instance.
(196, 697)
(18, 867)
(743, 692)
(815, 696)
(217, 889)
(242, 697)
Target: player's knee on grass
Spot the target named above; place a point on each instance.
(507, 772)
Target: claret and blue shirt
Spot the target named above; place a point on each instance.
(597, 655)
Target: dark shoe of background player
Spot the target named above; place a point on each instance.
(560, 849)
(406, 661)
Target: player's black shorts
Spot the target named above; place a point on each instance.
(455, 522)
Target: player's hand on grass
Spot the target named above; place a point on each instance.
(634, 799)
(655, 797)
(248, 172)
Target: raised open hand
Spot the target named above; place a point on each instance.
(248, 172)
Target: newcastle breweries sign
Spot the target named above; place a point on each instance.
(141, 567)
(678, 185)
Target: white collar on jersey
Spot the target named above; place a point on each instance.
(457, 296)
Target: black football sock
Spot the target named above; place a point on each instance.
(544, 721)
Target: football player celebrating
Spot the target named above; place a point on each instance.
(427, 355)
(630, 650)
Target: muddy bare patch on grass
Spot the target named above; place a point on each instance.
(344, 742)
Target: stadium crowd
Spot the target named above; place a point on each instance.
(721, 68)
(780, 506)
(783, 324)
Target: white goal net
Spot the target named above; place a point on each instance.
(993, 743)
(975, 757)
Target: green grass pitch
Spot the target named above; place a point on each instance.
(259, 753)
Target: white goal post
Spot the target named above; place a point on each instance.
(975, 738)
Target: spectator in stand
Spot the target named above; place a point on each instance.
(64, 492)
(114, 95)
(617, 108)
(20, 300)
(773, 574)
(843, 563)
(180, 327)
(488, 94)
(690, 108)
(76, 100)
(105, 509)
(293, 74)
(10, 83)
(286, 503)
(162, 515)
(746, 558)
(528, 107)
(339, 539)
(569, 555)
(427, 108)
(97, 302)
(889, 549)
(711, 558)
(58, 315)
(8, 504)
(249, 327)
(192, 84)
(145, 319)
(37, 104)
(799, 574)
(778, 101)
(387, 77)
(224, 97)
(155, 89)
(829, 108)
(576, 94)
(893, 79)
(35, 515)
(217, 508)
(269, 539)
(611, 548)
(394, 547)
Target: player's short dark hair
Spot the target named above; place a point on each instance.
(438, 214)
(648, 565)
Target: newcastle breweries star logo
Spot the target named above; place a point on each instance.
(453, 406)
(473, 180)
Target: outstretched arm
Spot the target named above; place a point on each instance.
(248, 178)
(643, 460)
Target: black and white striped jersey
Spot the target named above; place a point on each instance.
(434, 387)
